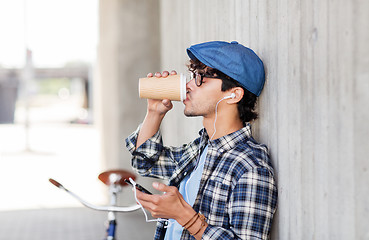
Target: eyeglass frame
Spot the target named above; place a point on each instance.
(202, 75)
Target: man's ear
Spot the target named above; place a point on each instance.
(238, 92)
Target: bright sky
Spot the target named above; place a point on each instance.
(57, 31)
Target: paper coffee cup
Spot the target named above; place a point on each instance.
(172, 87)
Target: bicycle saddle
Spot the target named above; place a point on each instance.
(116, 177)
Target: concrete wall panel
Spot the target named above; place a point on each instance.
(310, 118)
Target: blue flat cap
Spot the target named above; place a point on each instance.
(234, 60)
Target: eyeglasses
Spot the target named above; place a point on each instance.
(200, 76)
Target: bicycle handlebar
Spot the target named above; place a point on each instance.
(98, 208)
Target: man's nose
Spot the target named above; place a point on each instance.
(190, 84)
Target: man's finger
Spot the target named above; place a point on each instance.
(165, 74)
(145, 197)
(161, 187)
(167, 103)
(147, 204)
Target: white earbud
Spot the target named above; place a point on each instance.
(230, 96)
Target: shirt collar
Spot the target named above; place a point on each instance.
(229, 141)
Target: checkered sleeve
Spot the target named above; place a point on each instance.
(252, 205)
(152, 158)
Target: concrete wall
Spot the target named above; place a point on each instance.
(313, 111)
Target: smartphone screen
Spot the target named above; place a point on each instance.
(139, 187)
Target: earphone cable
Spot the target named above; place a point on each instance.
(216, 115)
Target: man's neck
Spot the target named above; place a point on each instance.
(225, 124)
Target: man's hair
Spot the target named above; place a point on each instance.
(246, 106)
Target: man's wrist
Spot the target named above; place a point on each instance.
(194, 222)
(154, 115)
(186, 216)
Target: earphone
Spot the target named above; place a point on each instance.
(233, 95)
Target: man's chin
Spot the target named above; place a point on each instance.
(190, 114)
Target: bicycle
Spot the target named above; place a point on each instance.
(114, 179)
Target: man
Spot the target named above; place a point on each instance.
(221, 185)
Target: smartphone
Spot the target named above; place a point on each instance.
(139, 187)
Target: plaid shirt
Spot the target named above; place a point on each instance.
(237, 193)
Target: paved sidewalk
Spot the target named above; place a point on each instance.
(70, 224)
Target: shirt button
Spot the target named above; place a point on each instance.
(185, 174)
(165, 223)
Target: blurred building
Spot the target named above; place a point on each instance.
(9, 82)
(14, 86)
